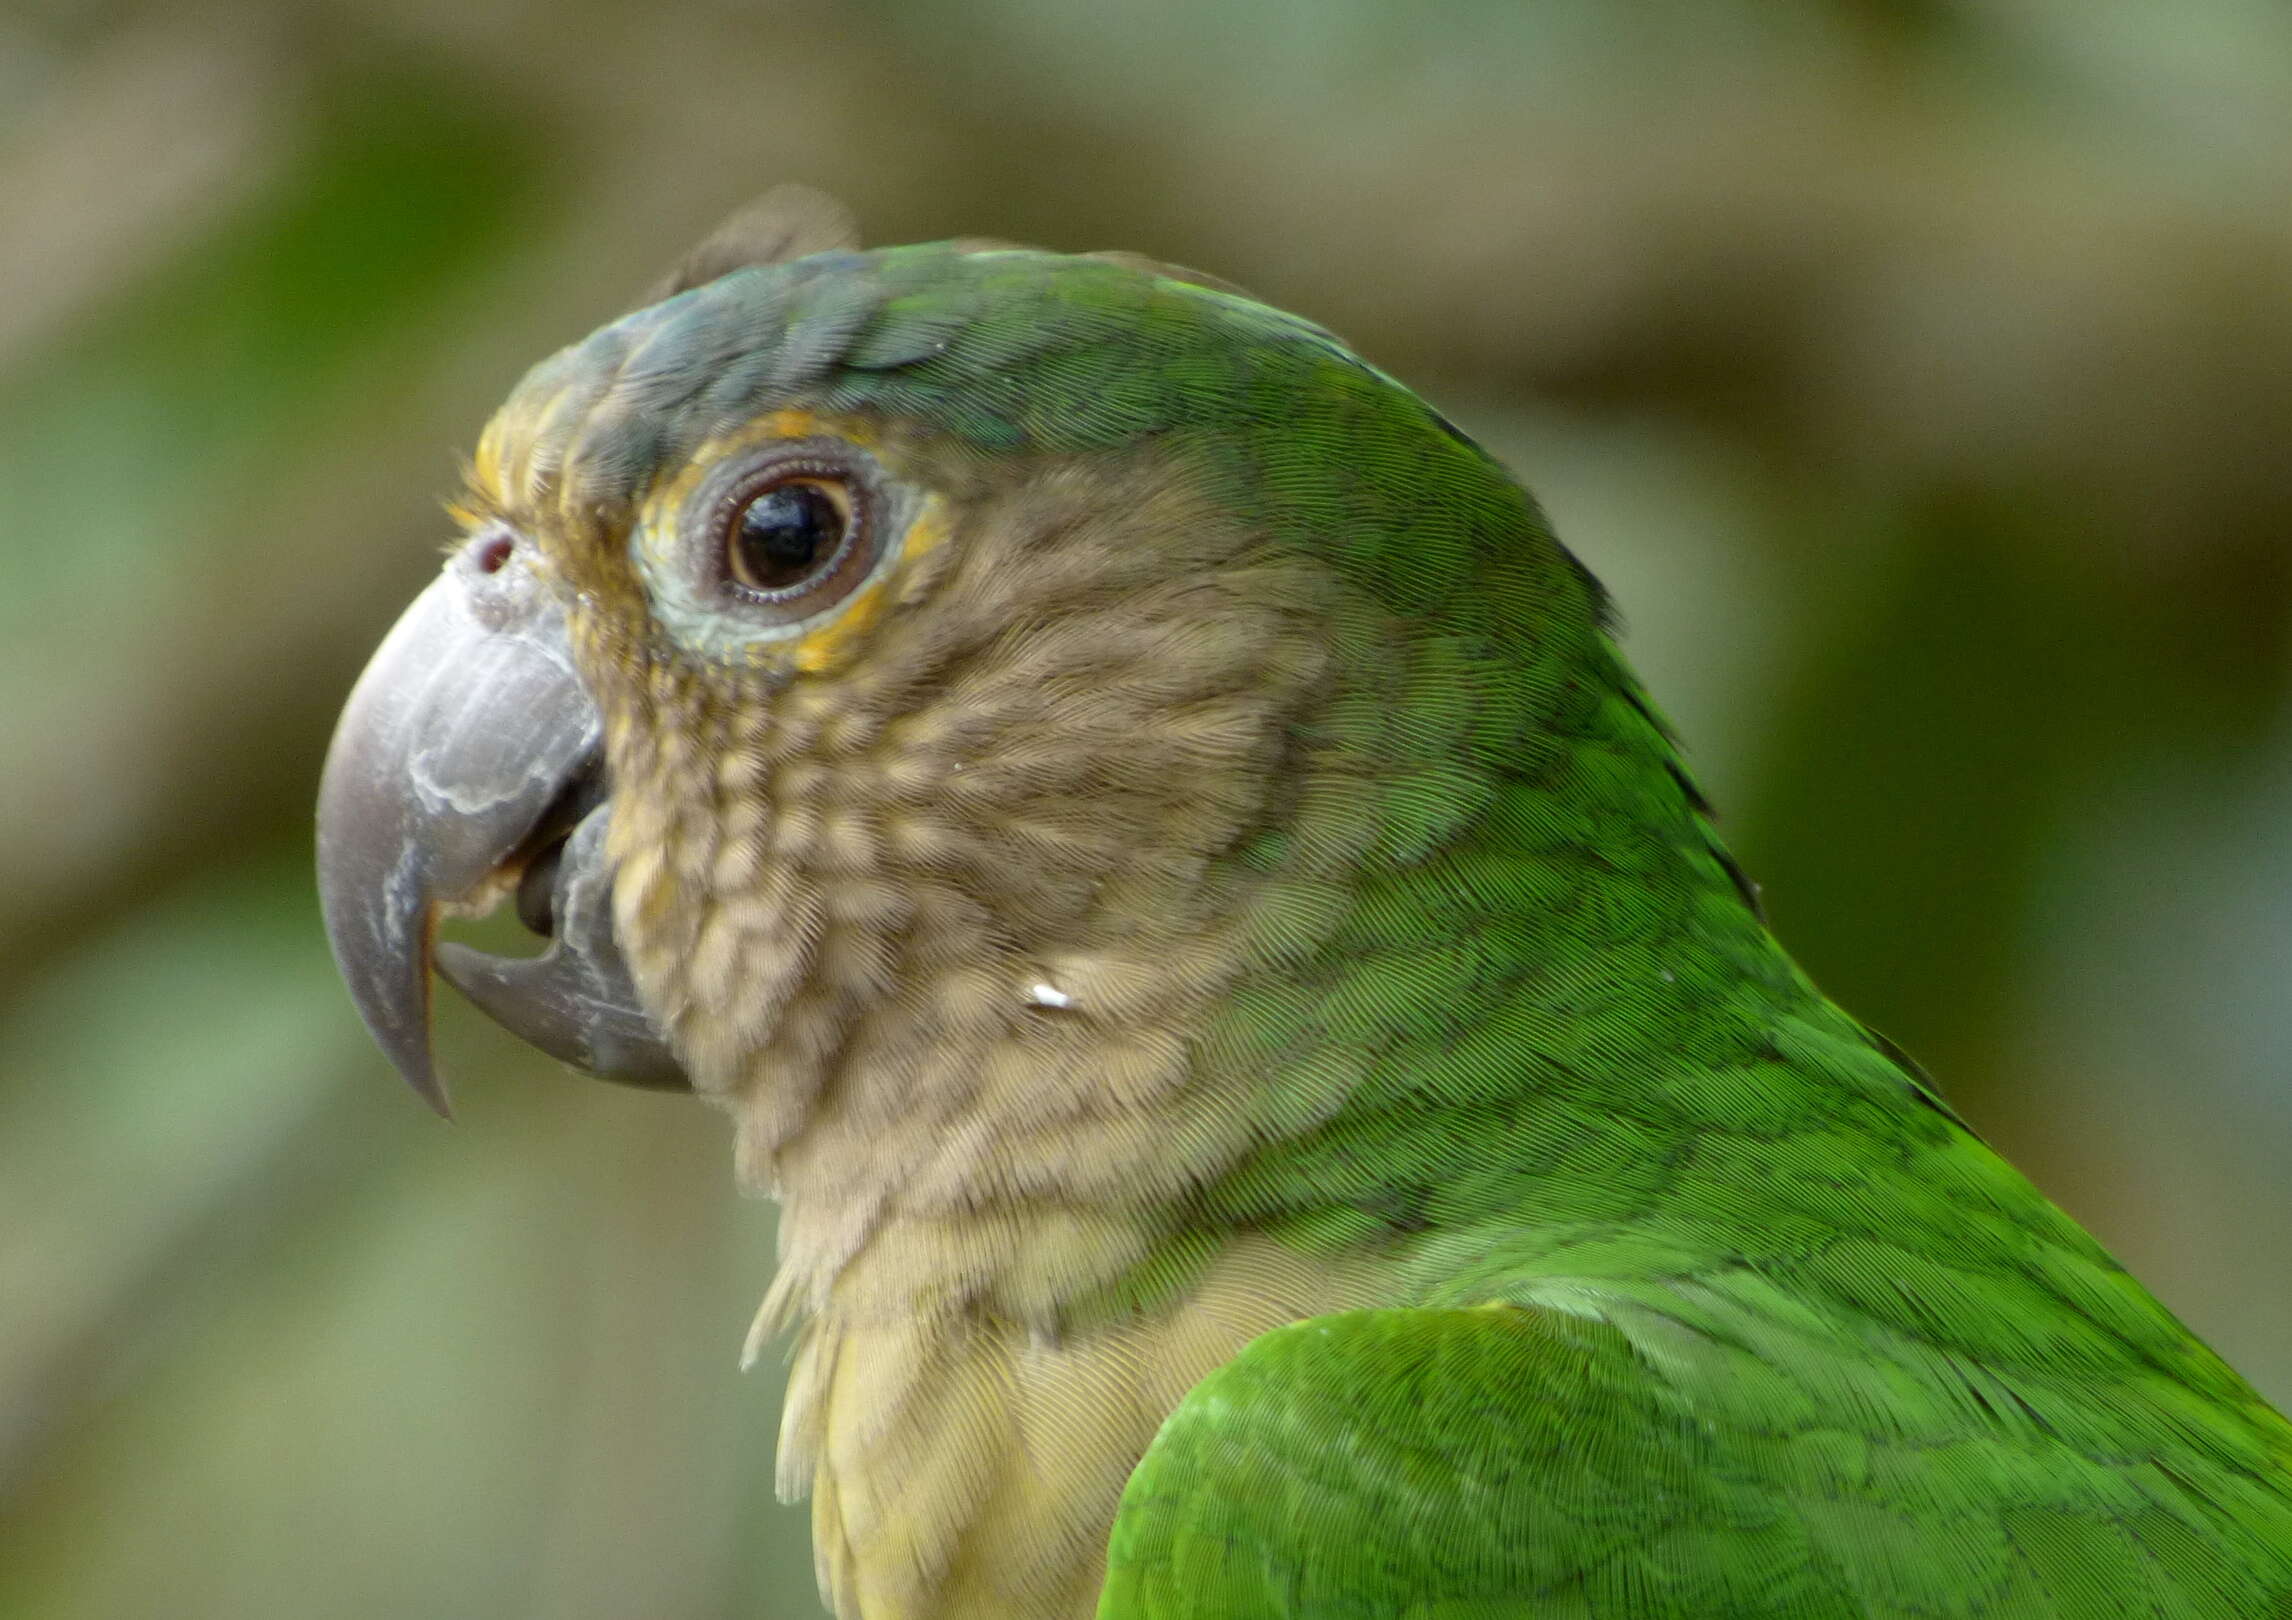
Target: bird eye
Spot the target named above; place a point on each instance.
(789, 536)
(776, 536)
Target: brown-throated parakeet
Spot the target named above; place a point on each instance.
(1281, 1104)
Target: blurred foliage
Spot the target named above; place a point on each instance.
(1915, 370)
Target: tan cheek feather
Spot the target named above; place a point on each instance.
(934, 925)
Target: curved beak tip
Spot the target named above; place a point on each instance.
(423, 1077)
(467, 742)
(381, 943)
(408, 1050)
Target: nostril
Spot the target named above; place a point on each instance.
(492, 554)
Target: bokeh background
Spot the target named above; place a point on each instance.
(1919, 373)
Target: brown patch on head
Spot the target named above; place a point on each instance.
(794, 221)
(787, 222)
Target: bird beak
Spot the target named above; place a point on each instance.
(467, 764)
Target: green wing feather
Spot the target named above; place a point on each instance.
(1657, 1461)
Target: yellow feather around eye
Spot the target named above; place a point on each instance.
(661, 504)
(821, 650)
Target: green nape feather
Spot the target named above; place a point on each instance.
(1696, 1304)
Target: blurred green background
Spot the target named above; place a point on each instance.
(1919, 373)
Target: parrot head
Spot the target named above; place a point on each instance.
(935, 688)
(1113, 795)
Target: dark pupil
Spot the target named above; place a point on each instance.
(786, 533)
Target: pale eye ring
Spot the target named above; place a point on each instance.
(794, 535)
